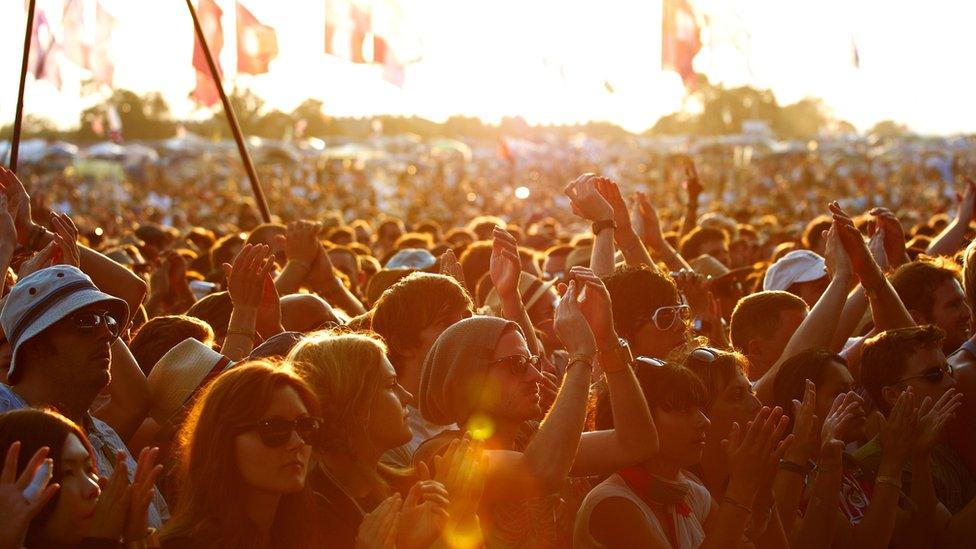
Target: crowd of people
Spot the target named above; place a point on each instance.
(773, 353)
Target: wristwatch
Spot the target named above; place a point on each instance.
(598, 226)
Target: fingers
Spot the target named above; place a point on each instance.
(28, 474)
(10, 463)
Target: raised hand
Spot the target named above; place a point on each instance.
(570, 323)
(245, 279)
(269, 311)
(806, 436)
(862, 262)
(893, 236)
(845, 412)
(40, 260)
(424, 513)
(113, 505)
(754, 458)
(611, 193)
(898, 434)
(379, 527)
(462, 470)
(301, 242)
(587, 201)
(16, 509)
(836, 258)
(17, 196)
(595, 305)
(651, 233)
(141, 494)
(322, 277)
(932, 419)
(8, 231)
(66, 237)
(967, 203)
(505, 266)
(451, 267)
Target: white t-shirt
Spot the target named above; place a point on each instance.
(690, 530)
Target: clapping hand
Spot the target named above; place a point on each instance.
(754, 458)
(647, 220)
(898, 432)
(932, 418)
(806, 436)
(505, 266)
(587, 201)
(570, 322)
(246, 278)
(17, 197)
(451, 267)
(595, 305)
(380, 526)
(424, 514)
(862, 263)
(16, 509)
(66, 237)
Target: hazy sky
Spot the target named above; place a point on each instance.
(500, 57)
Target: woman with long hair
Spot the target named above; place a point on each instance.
(78, 509)
(363, 407)
(244, 455)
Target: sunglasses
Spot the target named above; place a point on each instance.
(932, 375)
(518, 364)
(276, 431)
(665, 317)
(649, 362)
(703, 355)
(89, 321)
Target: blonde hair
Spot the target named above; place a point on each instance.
(343, 369)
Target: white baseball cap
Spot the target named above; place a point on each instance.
(794, 267)
(40, 299)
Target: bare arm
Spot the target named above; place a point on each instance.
(633, 250)
(301, 248)
(649, 227)
(129, 393)
(246, 281)
(323, 281)
(953, 237)
(694, 187)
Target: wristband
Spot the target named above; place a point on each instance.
(731, 501)
(241, 331)
(882, 479)
(792, 467)
(579, 359)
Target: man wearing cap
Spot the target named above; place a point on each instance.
(61, 328)
(801, 272)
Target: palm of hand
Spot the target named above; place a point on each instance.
(420, 526)
(504, 273)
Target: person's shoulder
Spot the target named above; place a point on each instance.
(616, 521)
(9, 400)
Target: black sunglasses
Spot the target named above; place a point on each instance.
(518, 364)
(89, 321)
(276, 431)
(932, 375)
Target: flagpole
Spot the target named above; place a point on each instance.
(231, 118)
(15, 142)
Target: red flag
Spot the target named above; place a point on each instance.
(43, 58)
(77, 46)
(348, 27)
(680, 40)
(209, 13)
(257, 44)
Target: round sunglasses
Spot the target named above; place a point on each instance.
(276, 431)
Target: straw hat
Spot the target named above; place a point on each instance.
(177, 377)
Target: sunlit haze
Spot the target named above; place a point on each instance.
(549, 61)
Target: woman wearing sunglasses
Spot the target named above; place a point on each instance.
(244, 457)
(659, 503)
(364, 411)
(77, 508)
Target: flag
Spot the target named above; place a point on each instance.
(42, 62)
(855, 57)
(100, 62)
(77, 46)
(680, 40)
(114, 124)
(209, 13)
(347, 24)
(257, 44)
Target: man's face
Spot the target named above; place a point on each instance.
(717, 249)
(951, 313)
(767, 352)
(927, 373)
(76, 356)
(810, 292)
